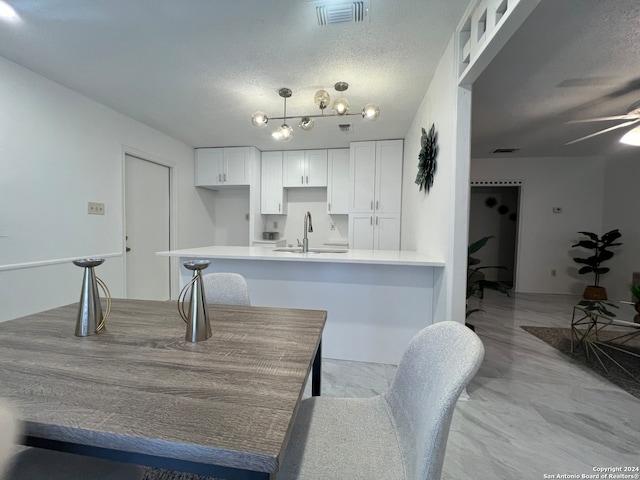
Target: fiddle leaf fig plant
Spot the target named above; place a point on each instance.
(600, 246)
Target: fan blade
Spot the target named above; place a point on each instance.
(603, 119)
(622, 125)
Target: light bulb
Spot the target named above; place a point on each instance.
(632, 137)
(6, 11)
(370, 112)
(322, 99)
(287, 132)
(259, 119)
(306, 123)
(284, 133)
(340, 106)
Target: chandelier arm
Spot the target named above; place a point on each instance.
(316, 116)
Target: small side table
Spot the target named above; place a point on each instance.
(587, 325)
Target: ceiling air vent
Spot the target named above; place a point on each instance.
(505, 150)
(346, 128)
(341, 12)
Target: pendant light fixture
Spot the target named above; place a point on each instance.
(340, 107)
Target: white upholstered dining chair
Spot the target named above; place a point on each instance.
(26, 463)
(226, 288)
(8, 437)
(401, 434)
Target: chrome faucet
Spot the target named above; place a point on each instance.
(308, 227)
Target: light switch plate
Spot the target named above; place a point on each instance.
(95, 208)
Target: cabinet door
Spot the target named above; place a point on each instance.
(236, 166)
(338, 181)
(362, 170)
(207, 167)
(315, 168)
(388, 193)
(386, 232)
(271, 192)
(293, 168)
(361, 231)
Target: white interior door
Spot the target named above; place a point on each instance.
(147, 203)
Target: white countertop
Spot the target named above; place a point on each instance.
(381, 257)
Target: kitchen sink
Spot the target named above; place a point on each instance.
(311, 250)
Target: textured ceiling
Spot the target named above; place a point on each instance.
(196, 70)
(572, 59)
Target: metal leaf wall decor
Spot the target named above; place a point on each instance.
(427, 158)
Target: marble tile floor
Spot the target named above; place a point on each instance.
(530, 411)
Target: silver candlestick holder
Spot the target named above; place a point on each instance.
(90, 318)
(197, 316)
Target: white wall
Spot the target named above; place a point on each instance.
(545, 238)
(436, 223)
(314, 200)
(622, 211)
(58, 151)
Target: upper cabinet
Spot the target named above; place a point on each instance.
(304, 168)
(376, 177)
(338, 181)
(227, 166)
(273, 197)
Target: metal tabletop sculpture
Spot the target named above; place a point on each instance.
(197, 318)
(90, 317)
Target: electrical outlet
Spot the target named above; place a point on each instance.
(553, 273)
(333, 226)
(275, 225)
(95, 208)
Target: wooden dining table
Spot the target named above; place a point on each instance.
(138, 392)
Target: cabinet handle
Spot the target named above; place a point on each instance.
(302, 179)
(376, 220)
(219, 178)
(371, 204)
(307, 179)
(377, 207)
(370, 220)
(329, 204)
(279, 207)
(224, 177)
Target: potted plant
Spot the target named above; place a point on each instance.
(476, 282)
(600, 247)
(635, 291)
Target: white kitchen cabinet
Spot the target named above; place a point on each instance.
(374, 231)
(273, 197)
(375, 200)
(304, 168)
(338, 181)
(376, 176)
(229, 166)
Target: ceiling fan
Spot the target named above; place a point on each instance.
(632, 137)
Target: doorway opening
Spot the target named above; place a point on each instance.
(494, 210)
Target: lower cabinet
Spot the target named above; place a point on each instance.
(374, 231)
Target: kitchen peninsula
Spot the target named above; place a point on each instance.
(376, 299)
